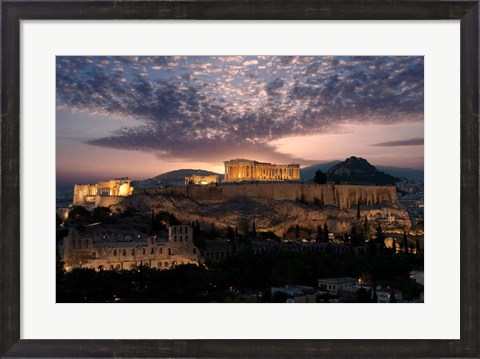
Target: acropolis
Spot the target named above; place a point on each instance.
(239, 170)
(102, 194)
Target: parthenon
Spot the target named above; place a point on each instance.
(248, 170)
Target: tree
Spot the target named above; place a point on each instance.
(100, 214)
(405, 241)
(374, 295)
(319, 233)
(366, 228)
(356, 238)
(320, 177)
(418, 250)
(362, 295)
(79, 214)
(380, 238)
(230, 233)
(325, 232)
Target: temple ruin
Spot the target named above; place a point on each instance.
(239, 170)
(102, 194)
(100, 247)
(201, 180)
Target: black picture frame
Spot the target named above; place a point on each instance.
(14, 11)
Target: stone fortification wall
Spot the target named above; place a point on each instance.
(341, 196)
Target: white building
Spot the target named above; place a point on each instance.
(336, 284)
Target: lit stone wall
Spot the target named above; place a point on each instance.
(247, 170)
(102, 193)
(201, 180)
(341, 196)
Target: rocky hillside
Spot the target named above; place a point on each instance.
(357, 170)
(269, 215)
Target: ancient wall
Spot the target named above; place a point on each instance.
(341, 196)
(80, 250)
(102, 194)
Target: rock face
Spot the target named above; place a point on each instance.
(341, 196)
(274, 207)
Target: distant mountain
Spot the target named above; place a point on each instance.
(308, 173)
(409, 173)
(173, 178)
(358, 170)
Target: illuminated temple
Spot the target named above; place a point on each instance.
(102, 194)
(247, 170)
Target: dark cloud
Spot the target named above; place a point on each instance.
(409, 142)
(188, 106)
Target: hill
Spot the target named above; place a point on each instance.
(409, 173)
(357, 170)
(173, 178)
(308, 173)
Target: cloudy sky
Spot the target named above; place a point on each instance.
(143, 116)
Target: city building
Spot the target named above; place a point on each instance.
(296, 293)
(336, 284)
(239, 170)
(100, 247)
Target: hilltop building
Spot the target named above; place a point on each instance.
(201, 180)
(102, 194)
(239, 170)
(101, 247)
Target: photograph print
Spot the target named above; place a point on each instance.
(239, 179)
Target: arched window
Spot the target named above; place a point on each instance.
(159, 265)
(111, 267)
(124, 252)
(114, 252)
(165, 264)
(117, 267)
(151, 250)
(143, 250)
(169, 251)
(161, 250)
(133, 252)
(181, 237)
(132, 266)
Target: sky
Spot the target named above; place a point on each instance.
(138, 117)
